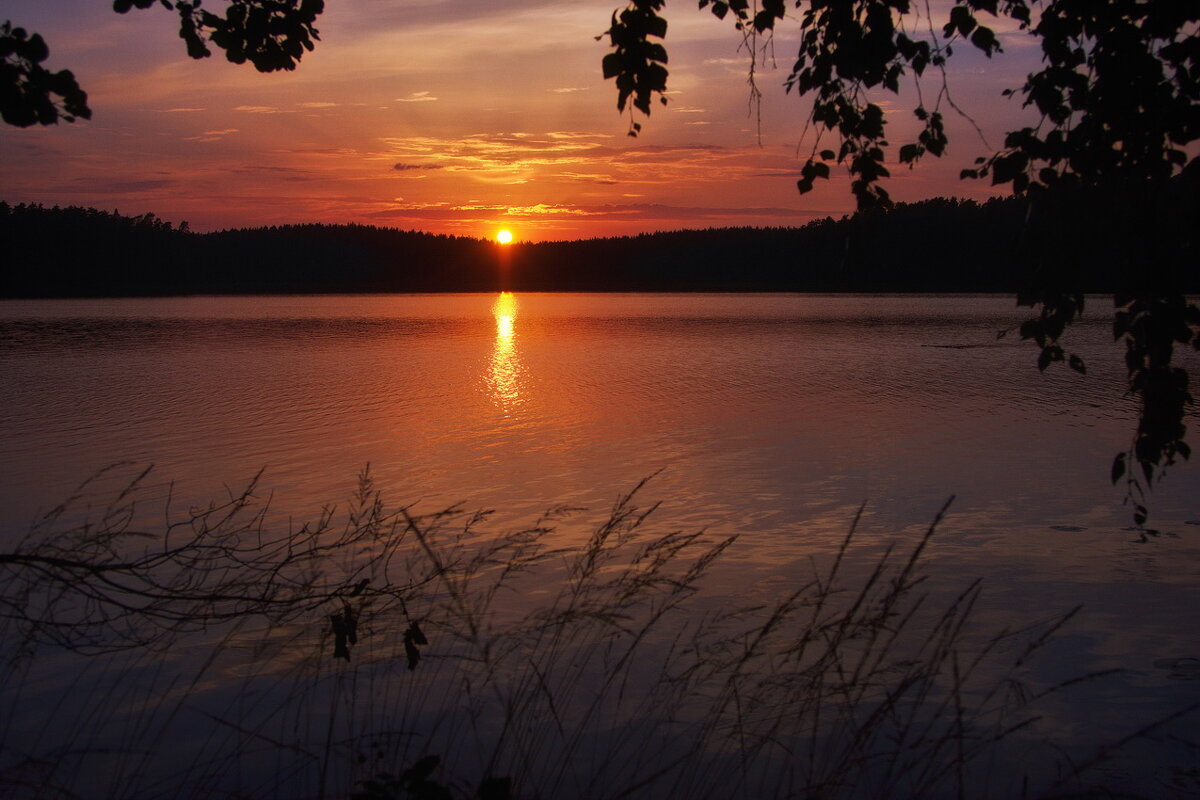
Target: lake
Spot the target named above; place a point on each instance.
(770, 417)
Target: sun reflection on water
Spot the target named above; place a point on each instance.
(504, 377)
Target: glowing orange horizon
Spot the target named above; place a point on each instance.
(411, 151)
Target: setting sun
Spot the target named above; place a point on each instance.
(504, 237)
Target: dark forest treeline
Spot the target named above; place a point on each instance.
(935, 245)
(82, 252)
(919, 247)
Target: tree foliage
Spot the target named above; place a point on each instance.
(1118, 102)
(29, 93)
(272, 35)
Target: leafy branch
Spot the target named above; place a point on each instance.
(1118, 95)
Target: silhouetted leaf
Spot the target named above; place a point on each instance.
(422, 769)
(985, 40)
(340, 637)
(961, 21)
(611, 65)
(495, 789)
(414, 631)
(411, 653)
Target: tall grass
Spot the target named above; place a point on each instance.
(225, 654)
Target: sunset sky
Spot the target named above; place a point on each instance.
(461, 117)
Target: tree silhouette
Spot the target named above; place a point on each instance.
(271, 34)
(1117, 95)
(29, 93)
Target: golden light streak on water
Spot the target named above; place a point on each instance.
(505, 373)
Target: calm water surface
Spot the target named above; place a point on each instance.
(772, 417)
(769, 416)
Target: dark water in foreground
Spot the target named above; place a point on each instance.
(770, 417)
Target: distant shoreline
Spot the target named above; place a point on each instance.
(940, 246)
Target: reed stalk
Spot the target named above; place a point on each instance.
(225, 653)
